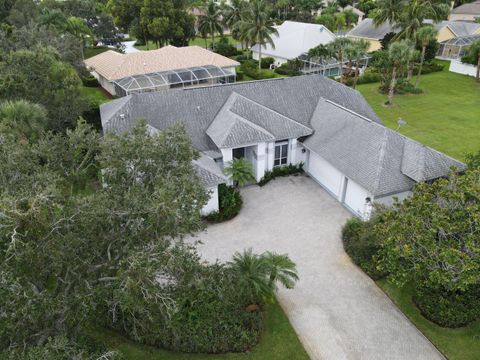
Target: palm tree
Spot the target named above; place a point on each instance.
(22, 119)
(337, 49)
(79, 28)
(360, 50)
(240, 171)
(425, 35)
(211, 21)
(261, 273)
(388, 10)
(257, 27)
(233, 16)
(474, 55)
(280, 269)
(399, 54)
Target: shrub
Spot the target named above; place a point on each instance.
(240, 75)
(230, 202)
(368, 77)
(280, 171)
(266, 62)
(430, 67)
(448, 309)
(250, 68)
(290, 68)
(362, 246)
(223, 47)
(90, 81)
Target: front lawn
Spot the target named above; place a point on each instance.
(96, 94)
(446, 116)
(279, 342)
(456, 344)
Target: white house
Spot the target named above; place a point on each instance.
(310, 119)
(158, 70)
(293, 40)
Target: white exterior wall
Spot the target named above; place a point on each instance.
(212, 204)
(104, 83)
(458, 67)
(260, 153)
(388, 200)
(278, 60)
(356, 199)
(327, 175)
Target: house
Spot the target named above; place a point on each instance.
(293, 40)
(454, 29)
(367, 30)
(466, 12)
(306, 119)
(359, 13)
(162, 69)
(456, 48)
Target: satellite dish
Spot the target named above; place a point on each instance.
(400, 123)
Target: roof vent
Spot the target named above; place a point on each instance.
(122, 116)
(198, 108)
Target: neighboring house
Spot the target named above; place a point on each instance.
(359, 13)
(367, 30)
(453, 29)
(466, 12)
(293, 40)
(456, 48)
(310, 119)
(161, 69)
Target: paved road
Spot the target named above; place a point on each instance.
(129, 48)
(337, 311)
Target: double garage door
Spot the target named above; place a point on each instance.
(342, 188)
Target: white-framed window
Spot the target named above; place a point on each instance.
(281, 153)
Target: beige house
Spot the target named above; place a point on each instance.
(161, 69)
(454, 29)
(466, 12)
(367, 30)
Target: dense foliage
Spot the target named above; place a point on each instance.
(286, 170)
(229, 204)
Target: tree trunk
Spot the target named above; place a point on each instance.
(478, 68)
(357, 74)
(340, 66)
(206, 43)
(213, 40)
(391, 91)
(259, 57)
(422, 59)
(410, 71)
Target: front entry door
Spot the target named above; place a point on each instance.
(281, 153)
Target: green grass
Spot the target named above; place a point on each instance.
(96, 94)
(455, 344)
(446, 116)
(279, 342)
(92, 51)
(196, 41)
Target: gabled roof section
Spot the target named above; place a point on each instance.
(367, 29)
(469, 8)
(296, 38)
(115, 66)
(208, 171)
(458, 28)
(242, 122)
(377, 158)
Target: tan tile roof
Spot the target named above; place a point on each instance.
(114, 66)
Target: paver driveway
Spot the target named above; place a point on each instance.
(337, 311)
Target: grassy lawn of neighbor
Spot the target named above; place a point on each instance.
(445, 117)
(279, 342)
(199, 41)
(96, 94)
(456, 344)
(92, 51)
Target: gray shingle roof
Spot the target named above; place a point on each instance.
(469, 8)
(294, 98)
(379, 159)
(460, 28)
(367, 29)
(208, 171)
(242, 122)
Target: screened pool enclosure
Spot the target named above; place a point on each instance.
(164, 80)
(456, 48)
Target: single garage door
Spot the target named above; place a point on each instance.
(355, 197)
(325, 174)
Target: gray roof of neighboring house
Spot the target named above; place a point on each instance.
(459, 28)
(377, 158)
(367, 29)
(242, 122)
(208, 171)
(294, 98)
(470, 8)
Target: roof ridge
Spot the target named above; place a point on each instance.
(350, 111)
(276, 112)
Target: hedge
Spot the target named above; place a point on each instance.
(362, 246)
(448, 309)
(250, 68)
(230, 202)
(280, 171)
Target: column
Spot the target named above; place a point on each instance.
(261, 160)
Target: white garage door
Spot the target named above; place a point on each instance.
(355, 197)
(325, 174)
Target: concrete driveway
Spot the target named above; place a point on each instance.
(337, 311)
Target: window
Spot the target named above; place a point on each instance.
(238, 153)
(281, 153)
